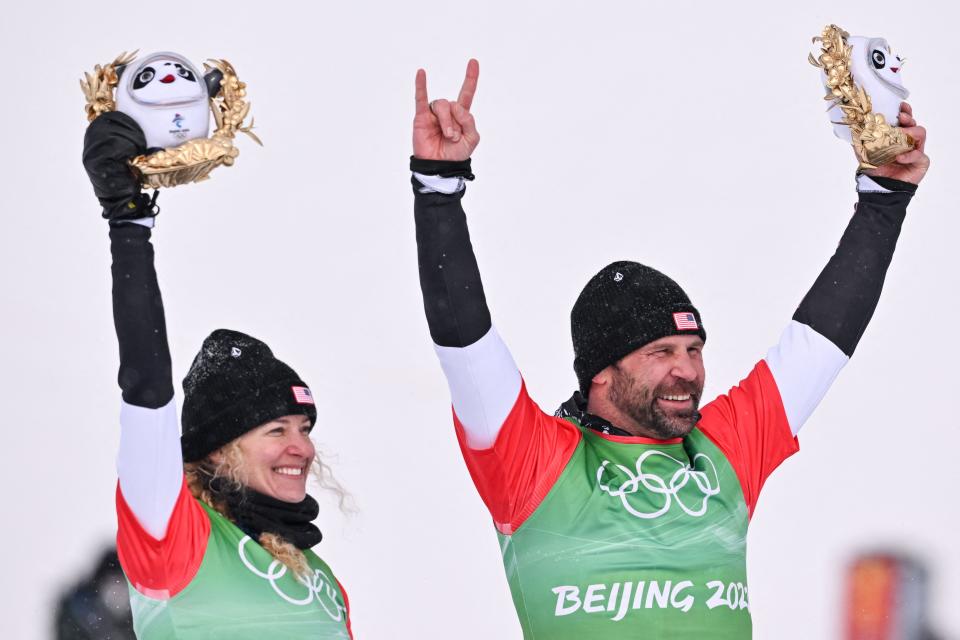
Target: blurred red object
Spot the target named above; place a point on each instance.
(886, 598)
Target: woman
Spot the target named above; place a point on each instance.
(215, 527)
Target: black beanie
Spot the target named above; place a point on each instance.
(234, 385)
(625, 306)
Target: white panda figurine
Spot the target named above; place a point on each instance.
(166, 95)
(875, 68)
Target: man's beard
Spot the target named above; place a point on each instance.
(640, 404)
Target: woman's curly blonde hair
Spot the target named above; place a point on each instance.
(230, 467)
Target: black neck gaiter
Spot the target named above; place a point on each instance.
(256, 513)
(576, 407)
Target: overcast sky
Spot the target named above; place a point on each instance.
(692, 139)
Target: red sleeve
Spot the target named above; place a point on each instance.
(346, 603)
(750, 427)
(160, 569)
(516, 473)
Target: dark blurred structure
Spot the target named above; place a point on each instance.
(98, 607)
(887, 595)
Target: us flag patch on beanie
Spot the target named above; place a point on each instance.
(302, 395)
(685, 320)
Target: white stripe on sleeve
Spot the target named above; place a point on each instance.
(484, 384)
(150, 463)
(804, 364)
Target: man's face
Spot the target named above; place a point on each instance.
(659, 386)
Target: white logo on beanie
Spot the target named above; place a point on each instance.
(618, 277)
(235, 352)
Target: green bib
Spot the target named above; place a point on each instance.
(240, 592)
(634, 541)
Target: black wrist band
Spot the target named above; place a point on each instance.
(442, 168)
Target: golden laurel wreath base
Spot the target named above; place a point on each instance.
(193, 160)
(875, 141)
(98, 88)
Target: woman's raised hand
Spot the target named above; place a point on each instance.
(445, 130)
(111, 141)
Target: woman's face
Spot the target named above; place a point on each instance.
(277, 456)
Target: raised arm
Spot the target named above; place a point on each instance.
(483, 379)
(832, 317)
(514, 450)
(149, 462)
(756, 422)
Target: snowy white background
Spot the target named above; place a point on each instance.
(688, 136)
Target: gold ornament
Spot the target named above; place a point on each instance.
(98, 88)
(193, 160)
(875, 141)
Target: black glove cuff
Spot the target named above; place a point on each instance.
(442, 168)
(141, 206)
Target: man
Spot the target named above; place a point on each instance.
(625, 515)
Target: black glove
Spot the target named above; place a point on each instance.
(111, 141)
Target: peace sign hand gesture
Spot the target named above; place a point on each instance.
(444, 130)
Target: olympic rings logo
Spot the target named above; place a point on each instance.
(670, 490)
(319, 586)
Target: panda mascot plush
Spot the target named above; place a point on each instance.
(172, 102)
(864, 86)
(877, 69)
(166, 95)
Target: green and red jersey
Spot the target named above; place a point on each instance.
(208, 579)
(609, 536)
